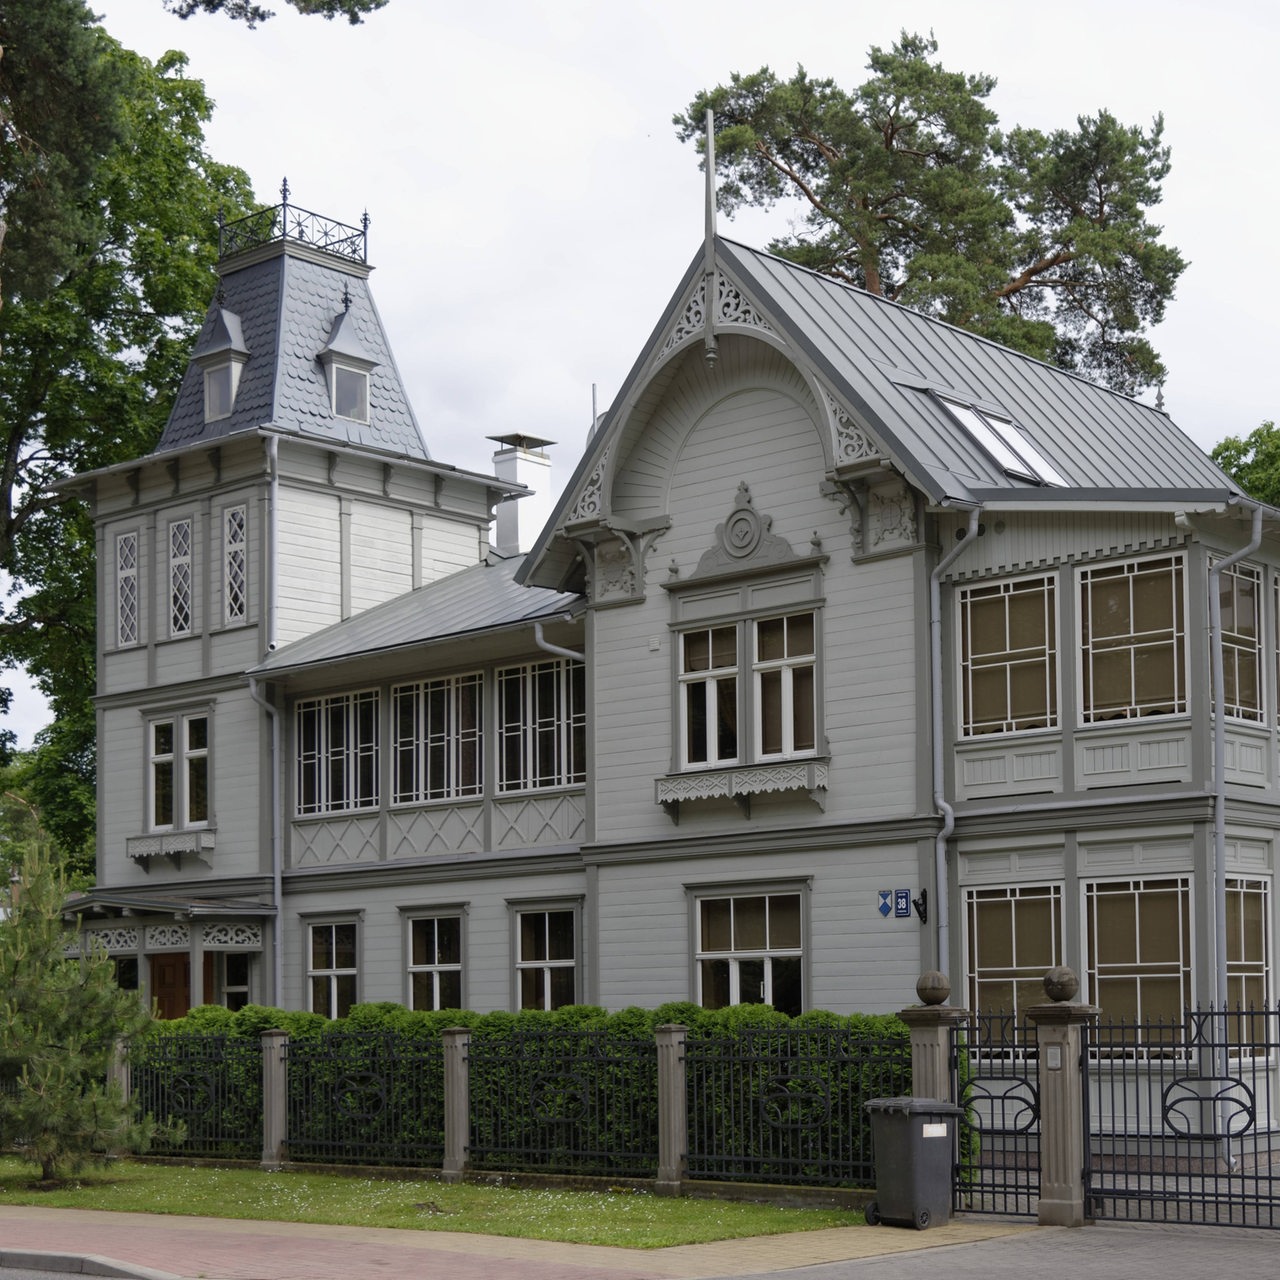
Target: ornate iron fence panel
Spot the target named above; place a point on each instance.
(1183, 1119)
(366, 1098)
(995, 1068)
(564, 1101)
(786, 1105)
(211, 1084)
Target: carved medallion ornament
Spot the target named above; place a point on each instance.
(744, 540)
(892, 512)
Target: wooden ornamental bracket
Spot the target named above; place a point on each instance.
(852, 497)
(614, 553)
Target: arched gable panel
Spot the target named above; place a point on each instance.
(752, 412)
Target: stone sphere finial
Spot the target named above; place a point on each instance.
(1061, 984)
(933, 987)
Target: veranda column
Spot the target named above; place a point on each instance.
(275, 1096)
(931, 1023)
(457, 1103)
(673, 1109)
(1059, 1035)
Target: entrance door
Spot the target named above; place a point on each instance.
(171, 984)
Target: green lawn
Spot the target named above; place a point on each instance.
(631, 1219)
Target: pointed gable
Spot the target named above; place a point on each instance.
(289, 300)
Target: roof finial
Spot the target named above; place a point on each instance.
(346, 298)
(1160, 395)
(710, 352)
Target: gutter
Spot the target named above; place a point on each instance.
(942, 908)
(546, 645)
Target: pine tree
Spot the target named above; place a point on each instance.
(60, 1017)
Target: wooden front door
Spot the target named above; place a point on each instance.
(171, 985)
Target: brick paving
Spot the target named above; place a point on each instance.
(162, 1247)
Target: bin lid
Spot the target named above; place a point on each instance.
(913, 1106)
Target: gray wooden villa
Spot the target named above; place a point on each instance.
(855, 646)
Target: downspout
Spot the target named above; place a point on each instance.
(255, 692)
(1220, 797)
(942, 907)
(546, 645)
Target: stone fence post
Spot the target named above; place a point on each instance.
(275, 1097)
(931, 1024)
(1058, 1032)
(457, 1103)
(673, 1109)
(119, 1070)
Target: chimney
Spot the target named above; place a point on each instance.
(518, 521)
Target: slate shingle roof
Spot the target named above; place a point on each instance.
(287, 296)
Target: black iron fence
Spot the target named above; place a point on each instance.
(211, 1085)
(787, 1105)
(1183, 1119)
(579, 1103)
(994, 1075)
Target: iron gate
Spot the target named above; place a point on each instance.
(994, 1066)
(1182, 1122)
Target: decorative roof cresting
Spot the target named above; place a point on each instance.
(285, 221)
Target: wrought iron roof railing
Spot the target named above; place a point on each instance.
(285, 221)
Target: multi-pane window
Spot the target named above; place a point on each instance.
(179, 760)
(1240, 594)
(337, 748)
(1008, 657)
(180, 578)
(546, 964)
(235, 583)
(1133, 639)
(1139, 947)
(439, 744)
(750, 951)
(1248, 955)
(785, 691)
(127, 589)
(709, 695)
(779, 705)
(435, 962)
(331, 968)
(542, 725)
(1014, 938)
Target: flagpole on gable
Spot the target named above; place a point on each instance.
(709, 291)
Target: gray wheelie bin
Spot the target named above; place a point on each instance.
(914, 1139)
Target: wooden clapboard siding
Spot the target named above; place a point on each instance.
(310, 562)
(381, 554)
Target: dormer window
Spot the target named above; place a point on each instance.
(350, 392)
(347, 365)
(221, 355)
(220, 385)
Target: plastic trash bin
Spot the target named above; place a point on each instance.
(913, 1139)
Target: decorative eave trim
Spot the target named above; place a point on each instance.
(742, 782)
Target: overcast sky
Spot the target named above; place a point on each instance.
(532, 212)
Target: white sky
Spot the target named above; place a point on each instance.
(532, 210)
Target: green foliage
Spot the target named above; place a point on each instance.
(58, 1025)
(1254, 462)
(91, 362)
(251, 14)
(1036, 240)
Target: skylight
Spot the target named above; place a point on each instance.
(1006, 444)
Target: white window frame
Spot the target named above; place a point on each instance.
(1024, 970)
(1014, 661)
(338, 771)
(183, 762)
(217, 377)
(544, 971)
(734, 956)
(541, 732)
(340, 983)
(1240, 649)
(128, 597)
(1134, 642)
(235, 565)
(434, 972)
(438, 739)
(181, 576)
(1244, 970)
(339, 371)
(791, 670)
(705, 687)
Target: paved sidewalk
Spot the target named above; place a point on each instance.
(162, 1247)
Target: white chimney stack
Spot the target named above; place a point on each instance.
(518, 521)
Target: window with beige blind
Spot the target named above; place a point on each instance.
(1008, 657)
(1014, 938)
